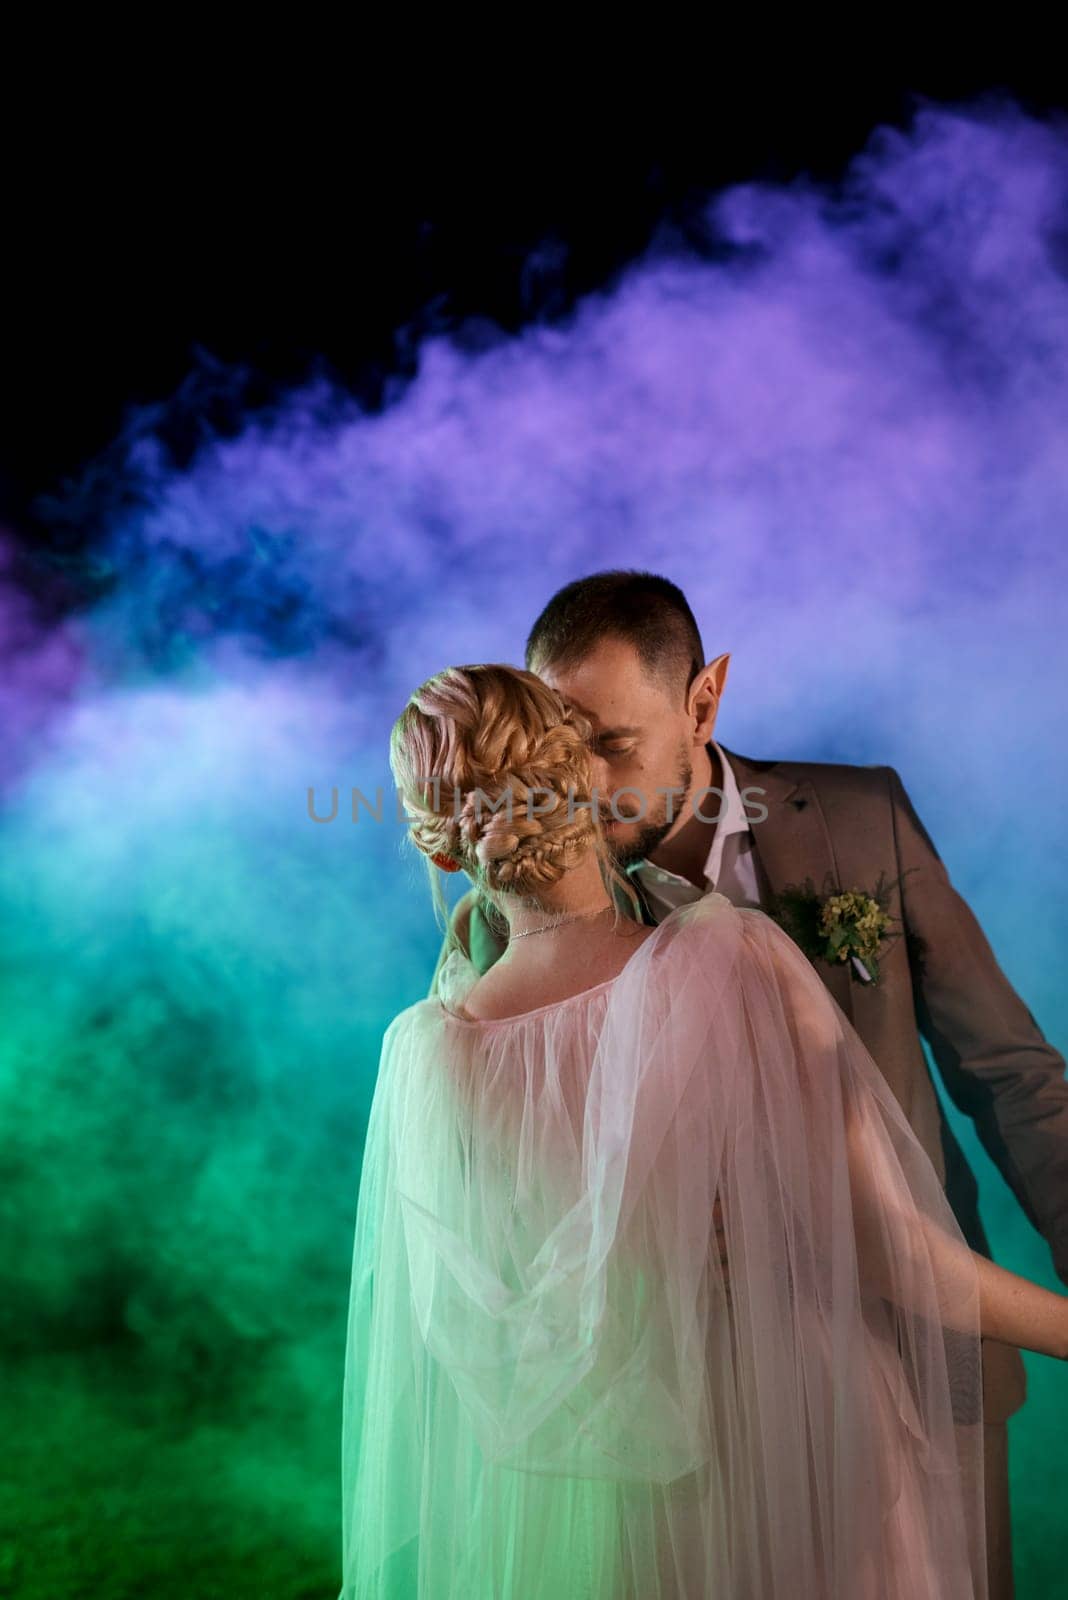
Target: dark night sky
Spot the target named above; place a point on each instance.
(174, 254)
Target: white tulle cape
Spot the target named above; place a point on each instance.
(562, 1382)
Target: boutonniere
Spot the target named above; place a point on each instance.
(843, 925)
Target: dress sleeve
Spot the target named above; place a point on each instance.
(382, 1436)
(883, 1290)
(910, 1248)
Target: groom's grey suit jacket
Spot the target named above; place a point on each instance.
(843, 826)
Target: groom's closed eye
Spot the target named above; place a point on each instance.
(607, 751)
(616, 741)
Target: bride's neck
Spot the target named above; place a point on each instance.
(579, 890)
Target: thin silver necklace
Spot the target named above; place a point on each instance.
(547, 926)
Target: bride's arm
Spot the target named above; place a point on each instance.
(1012, 1309)
(458, 928)
(481, 943)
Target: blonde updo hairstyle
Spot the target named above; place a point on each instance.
(469, 738)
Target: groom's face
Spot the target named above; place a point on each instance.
(643, 744)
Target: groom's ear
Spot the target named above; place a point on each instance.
(719, 668)
(708, 689)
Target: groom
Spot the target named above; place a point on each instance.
(623, 646)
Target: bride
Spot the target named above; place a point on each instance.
(562, 1382)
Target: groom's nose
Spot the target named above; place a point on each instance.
(599, 768)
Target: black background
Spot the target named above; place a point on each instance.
(199, 242)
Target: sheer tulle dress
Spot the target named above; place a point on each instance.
(556, 1389)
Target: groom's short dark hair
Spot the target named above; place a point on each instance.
(649, 612)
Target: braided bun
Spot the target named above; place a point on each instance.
(494, 770)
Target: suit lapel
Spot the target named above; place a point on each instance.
(792, 843)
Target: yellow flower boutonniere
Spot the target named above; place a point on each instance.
(846, 925)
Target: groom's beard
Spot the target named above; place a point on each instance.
(656, 824)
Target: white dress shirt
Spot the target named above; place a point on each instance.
(731, 867)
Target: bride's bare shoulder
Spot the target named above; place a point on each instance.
(506, 991)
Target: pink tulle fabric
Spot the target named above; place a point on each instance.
(554, 1387)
